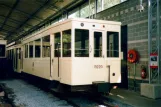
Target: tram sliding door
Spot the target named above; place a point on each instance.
(97, 51)
(57, 54)
(113, 58)
(18, 65)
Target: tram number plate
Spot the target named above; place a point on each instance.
(98, 66)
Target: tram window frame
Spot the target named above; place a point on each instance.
(19, 53)
(2, 50)
(31, 49)
(66, 43)
(26, 50)
(114, 43)
(37, 48)
(98, 44)
(45, 48)
(56, 41)
(16, 57)
(84, 47)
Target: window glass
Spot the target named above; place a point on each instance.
(37, 48)
(9, 54)
(112, 44)
(31, 50)
(81, 43)
(12, 54)
(66, 39)
(84, 12)
(57, 45)
(99, 5)
(46, 46)
(19, 52)
(2, 50)
(26, 51)
(97, 44)
(110, 3)
(92, 7)
(74, 13)
(16, 57)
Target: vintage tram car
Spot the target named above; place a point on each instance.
(76, 53)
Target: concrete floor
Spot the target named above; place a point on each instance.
(23, 94)
(132, 99)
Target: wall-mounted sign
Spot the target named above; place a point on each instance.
(153, 60)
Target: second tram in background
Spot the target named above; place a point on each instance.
(77, 54)
(3, 61)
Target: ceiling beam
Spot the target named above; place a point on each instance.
(48, 19)
(34, 13)
(10, 12)
(27, 14)
(15, 21)
(7, 31)
(8, 25)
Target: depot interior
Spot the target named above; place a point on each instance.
(19, 18)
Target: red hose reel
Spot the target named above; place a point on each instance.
(133, 56)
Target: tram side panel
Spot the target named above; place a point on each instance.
(3, 64)
(61, 65)
(90, 69)
(41, 66)
(113, 60)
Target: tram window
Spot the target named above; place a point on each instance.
(37, 48)
(12, 54)
(57, 44)
(2, 50)
(97, 44)
(46, 46)
(112, 44)
(19, 53)
(81, 43)
(26, 51)
(16, 57)
(31, 49)
(66, 43)
(9, 54)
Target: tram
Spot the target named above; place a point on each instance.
(77, 53)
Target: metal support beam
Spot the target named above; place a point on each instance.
(8, 25)
(27, 14)
(6, 31)
(10, 12)
(31, 16)
(70, 6)
(15, 21)
(153, 32)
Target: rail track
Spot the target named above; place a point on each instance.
(74, 99)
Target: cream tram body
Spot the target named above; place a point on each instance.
(14, 54)
(3, 48)
(75, 52)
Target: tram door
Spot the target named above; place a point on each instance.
(113, 60)
(18, 59)
(97, 53)
(57, 54)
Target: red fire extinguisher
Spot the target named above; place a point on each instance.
(143, 72)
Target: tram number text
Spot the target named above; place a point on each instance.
(98, 66)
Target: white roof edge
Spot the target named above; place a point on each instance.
(74, 19)
(10, 44)
(98, 20)
(3, 41)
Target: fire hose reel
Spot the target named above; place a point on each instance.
(133, 56)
